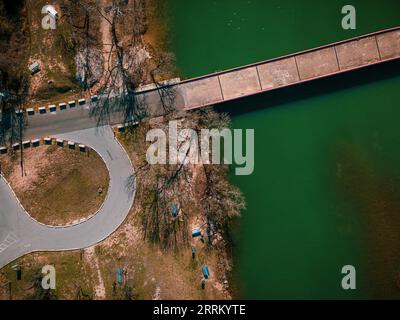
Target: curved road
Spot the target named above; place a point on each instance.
(20, 234)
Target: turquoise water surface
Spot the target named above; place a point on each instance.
(326, 184)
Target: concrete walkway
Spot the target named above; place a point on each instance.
(20, 234)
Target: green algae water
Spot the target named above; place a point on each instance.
(326, 187)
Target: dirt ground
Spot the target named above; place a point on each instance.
(73, 276)
(153, 273)
(61, 186)
(53, 50)
(149, 272)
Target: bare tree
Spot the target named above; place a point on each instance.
(216, 201)
(220, 201)
(119, 92)
(84, 18)
(40, 293)
(12, 121)
(125, 62)
(160, 185)
(167, 93)
(13, 84)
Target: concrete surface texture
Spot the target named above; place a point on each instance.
(288, 70)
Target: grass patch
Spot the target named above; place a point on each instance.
(61, 185)
(54, 50)
(72, 280)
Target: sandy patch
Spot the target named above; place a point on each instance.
(93, 262)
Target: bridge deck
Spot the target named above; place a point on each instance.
(248, 80)
(299, 67)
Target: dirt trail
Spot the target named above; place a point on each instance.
(99, 289)
(106, 40)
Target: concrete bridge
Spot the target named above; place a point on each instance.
(338, 57)
(272, 74)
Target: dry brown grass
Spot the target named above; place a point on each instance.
(61, 186)
(73, 276)
(52, 48)
(152, 273)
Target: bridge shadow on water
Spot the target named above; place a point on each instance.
(305, 90)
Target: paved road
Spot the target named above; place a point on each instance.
(20, 234)
(78, 118)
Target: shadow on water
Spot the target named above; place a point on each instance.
(335, 83)
(370, 194)
(376, 196)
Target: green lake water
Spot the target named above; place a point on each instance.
(326, 187)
